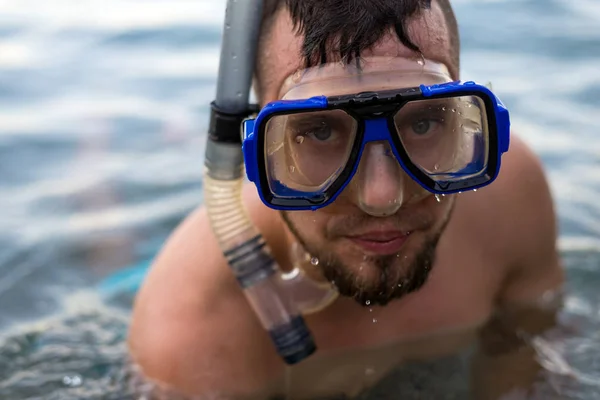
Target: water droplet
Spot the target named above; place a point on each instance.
(370, 310)
(443, 108)
(453, 110)
(374, 320)
(72, 381)
(368, 302)
(436, 167)
(474, 190)
(469, 105)
(314, 261)
(420, 62)
(292, 169)
(443, 195)
(438, 198)
(233, 56)
(399, 285)
(299, 139)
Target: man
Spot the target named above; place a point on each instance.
(419, 275)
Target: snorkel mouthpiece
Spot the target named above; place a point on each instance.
(256, 272)
(243, 246)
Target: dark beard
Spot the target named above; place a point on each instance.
(392, 283)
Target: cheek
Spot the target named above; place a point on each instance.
(308, 224)
(441, 209)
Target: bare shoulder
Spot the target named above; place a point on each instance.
(516, 216)
(190, 318)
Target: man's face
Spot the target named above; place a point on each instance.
(369, 253)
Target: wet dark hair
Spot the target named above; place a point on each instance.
(348, 27)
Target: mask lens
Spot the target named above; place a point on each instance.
(306, 152)
(447, 139)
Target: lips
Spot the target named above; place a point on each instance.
(380, 242)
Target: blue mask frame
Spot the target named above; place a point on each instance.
(373, 112)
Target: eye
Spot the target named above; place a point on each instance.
(421, 127)
(322, 132)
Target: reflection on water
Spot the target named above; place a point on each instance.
(80, 357)
(103, 114)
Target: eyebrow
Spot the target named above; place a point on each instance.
(428, 104)
(303, 118)
(333, 119)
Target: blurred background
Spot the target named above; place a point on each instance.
(103, 119)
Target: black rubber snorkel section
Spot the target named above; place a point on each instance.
(241, 243)
(225, 126)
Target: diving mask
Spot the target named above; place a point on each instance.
(444, 136)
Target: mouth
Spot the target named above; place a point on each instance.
(380, 242)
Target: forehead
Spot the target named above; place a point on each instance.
(375, 74)
(279, 52)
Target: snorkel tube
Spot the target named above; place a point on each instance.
(243, 246)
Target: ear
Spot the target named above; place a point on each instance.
(255, 92)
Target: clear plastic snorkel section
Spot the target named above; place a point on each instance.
(276, 298)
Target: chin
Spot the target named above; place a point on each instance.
(376, 274)
(377, 280)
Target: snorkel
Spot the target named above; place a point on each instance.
(269, 292)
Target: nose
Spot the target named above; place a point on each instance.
(380, 180)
